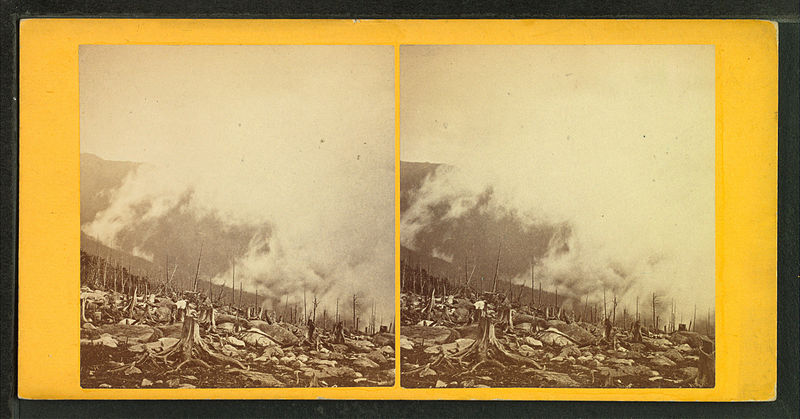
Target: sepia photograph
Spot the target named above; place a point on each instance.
(557, 221)
(237, 216)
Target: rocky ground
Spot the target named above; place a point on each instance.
(570, 354)
(118, 351)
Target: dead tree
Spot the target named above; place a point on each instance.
(496, 268)
(197, 270)
(355, 302)
(614, 312)
(655, 320)
(314, 303)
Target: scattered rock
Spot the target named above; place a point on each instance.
(553, 339)
(662, 361)
(261, 378)
(227, 326)
(533, 342)
(276, 332)
(146, 382)
(435, 335)
(383, 339)
(406, 343)
(256, 339)
(674, 355)
(128, 333)
(132, 370)
(688, 373)
(377, 356)
(235, 342)
(440, 384)
(365, 363)
(556, 379)
(576, 333)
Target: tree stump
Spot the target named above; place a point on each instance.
(705, 365)
(486, 349)
(191, 348)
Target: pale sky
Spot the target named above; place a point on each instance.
(299, 137)
(616, 140)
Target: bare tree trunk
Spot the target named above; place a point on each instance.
(496, 268)
(197, 271)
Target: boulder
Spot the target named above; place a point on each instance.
(658, 343)
(451, 347)
(157, 346)
(556, 379)
(693, 339)
(523, 326)
(674, 355)
(553, 339)
(276, 332)
(255, 339)
(162, 314)
(324, 362)
(105, 339)
(533, 342)
(384, 339)
(688, 373)
(359, 345)
(260, 378)
(365, 363)
(171, 330)
(342, 371)
(127, 333)
(228, 327)
(434, 335)
(229, 350)
(405, 343)
(662, 361)
(461, 315)
(235, 342)
(578, 334)
(377, 356)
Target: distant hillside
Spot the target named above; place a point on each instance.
(476, 236)
(99, 178)
(412, 176)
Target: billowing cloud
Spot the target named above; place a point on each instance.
(280, 158)
(597, 161)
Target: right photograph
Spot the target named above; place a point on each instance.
(557, 220)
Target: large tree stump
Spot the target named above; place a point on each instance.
(486, 349)
(705, 365)
(338, 333)
(191, 348)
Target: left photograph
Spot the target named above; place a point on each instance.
(237, 216)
